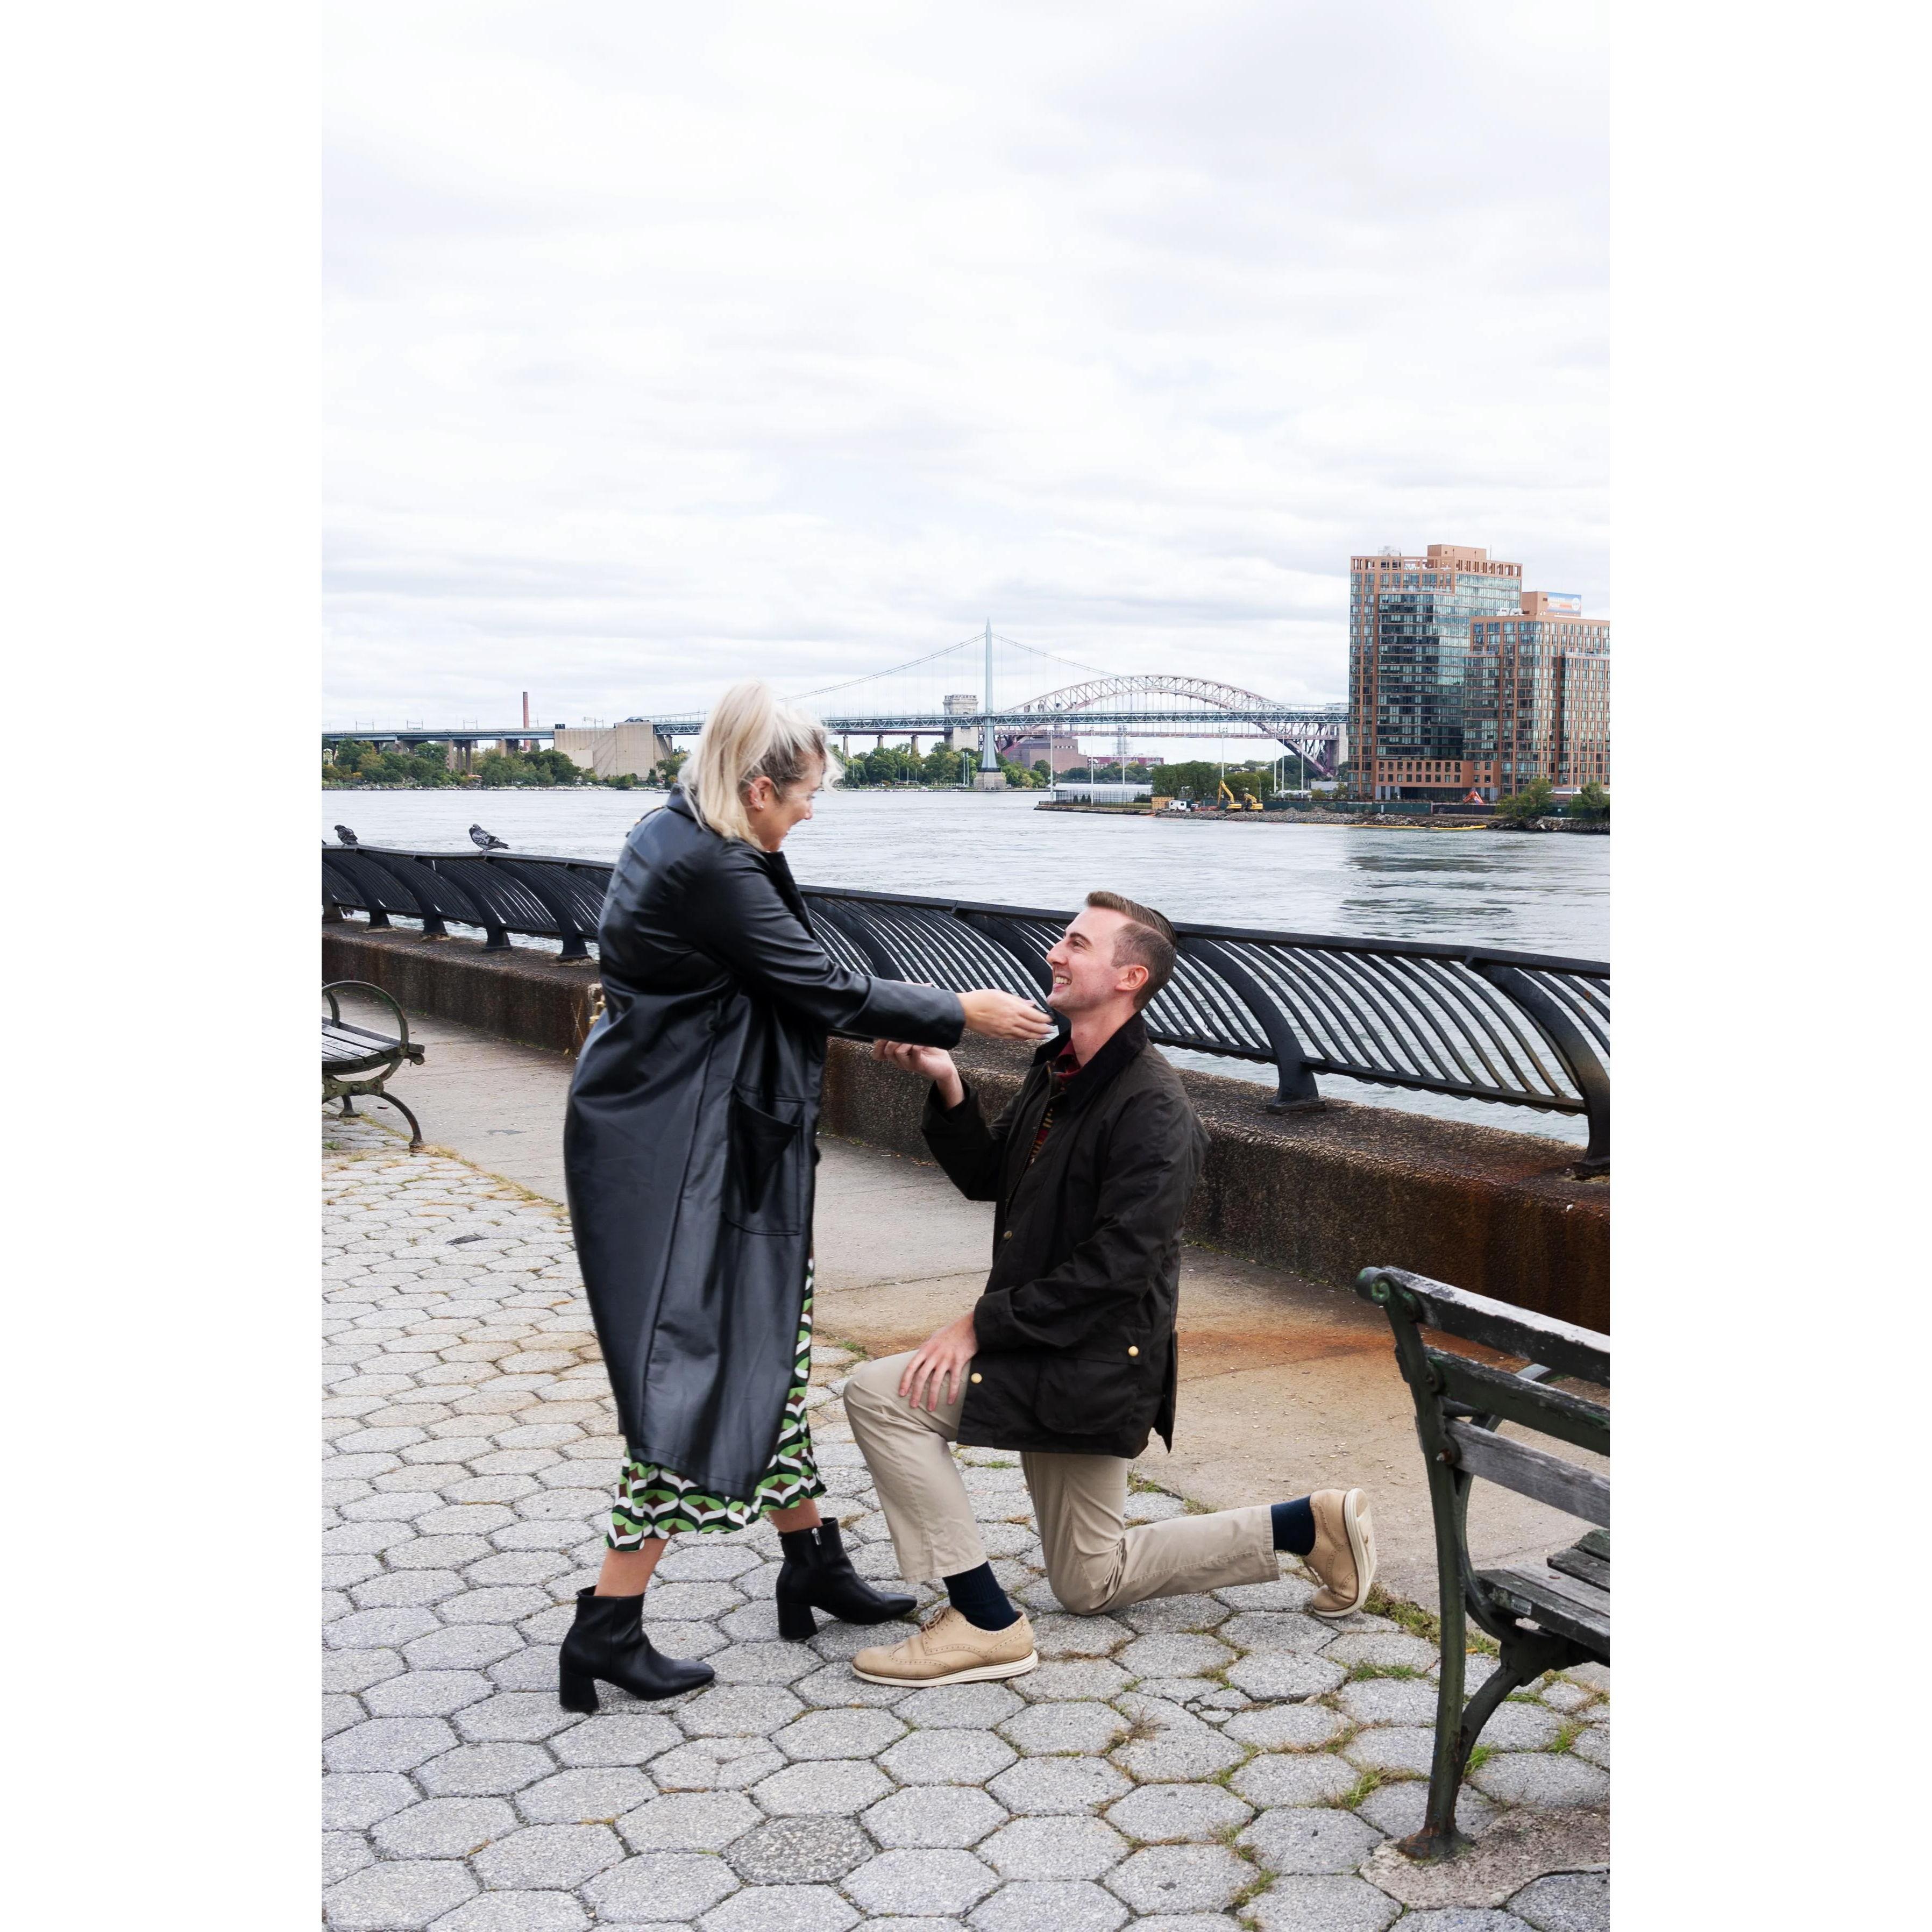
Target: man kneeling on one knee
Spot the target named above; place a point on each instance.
(1068, 1356)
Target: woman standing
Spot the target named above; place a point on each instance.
(688, 1154)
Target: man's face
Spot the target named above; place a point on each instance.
(1084, 976)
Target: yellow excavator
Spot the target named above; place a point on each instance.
(1247, 802)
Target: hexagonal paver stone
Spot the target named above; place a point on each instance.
(799, 1851)
(1316, 1779)
(830, 1787)
(774, 1663)
(1179, 1655)
(1323, 1905)
(1390, 1649)
(1042, 1728)
(934, 1817)
(617, 1737)
(785, 1908)
(1181, 1748)
(657, 1886)
(1294, 1840)
(1536, 1778)
(427, 1693)
(1566, 1902)
(1061, 1787)
(1167, 1813)
(593, 1795)
(1285, 1593)
(1276, 1630)
(715, 1764)
(1393, 1748)
(1465, 1919)
(1182, 1878)
(517, 1912)
(688, 1821)
(1396, 1811)
(834, 1685)
(1286, 1727)
(1592, 1744)
(396, 1898)
(959, 1707)
(353, 1801)
(444, 1827)
(820, 1734)
(355, 1670)
(1055, 1848)
(514, 1716)
(388, 1743)
(1284, 1675)
(484, 1771)
(1033, 1906)
(1094, 1679)
(738, 1710)
(1160, 1614)
(1060, 1636)
(555, 1856)
(919, 1883)
(470, 1647)
(948, 1757)
(1517, 1725)
(1390, 1700)
(696, 1600)
(344, 1853)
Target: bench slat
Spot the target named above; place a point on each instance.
(1583, 1564)
(1558, 1603)
(1532, 1472)
(1597, 1542)
(1496, 1392)
(1564, 1347)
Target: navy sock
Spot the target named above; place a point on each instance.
(1293, 1527)
(977, 1597)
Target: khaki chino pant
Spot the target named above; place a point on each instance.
(1094, 1561)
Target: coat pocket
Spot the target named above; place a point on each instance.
(1096, 1394)
(764, 1183)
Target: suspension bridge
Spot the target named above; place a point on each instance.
(909, 701)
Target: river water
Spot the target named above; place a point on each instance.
(1539, 894)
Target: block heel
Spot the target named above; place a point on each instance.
(796, 1622)
(575, 1692)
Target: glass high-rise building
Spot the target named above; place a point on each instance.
(1461, 681)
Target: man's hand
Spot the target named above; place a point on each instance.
(930, 1063)
(941, 1358)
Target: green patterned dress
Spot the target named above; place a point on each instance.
(653, 1500)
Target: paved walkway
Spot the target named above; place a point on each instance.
(1195, 1765)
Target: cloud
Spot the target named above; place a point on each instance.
(663, 350)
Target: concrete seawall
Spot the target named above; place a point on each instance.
(1323, 1193)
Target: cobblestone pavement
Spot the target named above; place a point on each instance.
(1193, 1764)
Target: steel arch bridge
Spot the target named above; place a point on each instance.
(1314, 732)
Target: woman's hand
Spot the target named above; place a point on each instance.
(941, 1358)
(1004, 1016)
(929, 1063)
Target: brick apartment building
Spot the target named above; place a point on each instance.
(1460, 680)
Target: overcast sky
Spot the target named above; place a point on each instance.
(667, 347)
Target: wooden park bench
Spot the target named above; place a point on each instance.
(1550, 1617)
(358, 1064)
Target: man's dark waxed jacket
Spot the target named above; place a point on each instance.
(1075, 1326)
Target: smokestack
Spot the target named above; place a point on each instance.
(527, 711)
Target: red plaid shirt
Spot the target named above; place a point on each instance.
(1062, 1070)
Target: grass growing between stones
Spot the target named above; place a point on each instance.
(1359, 1792)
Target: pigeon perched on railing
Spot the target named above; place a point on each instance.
(348, 837)
(488, 841)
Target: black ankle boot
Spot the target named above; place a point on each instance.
(817, 1572)
(607, 1640)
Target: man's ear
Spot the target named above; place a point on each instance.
(1133, 985)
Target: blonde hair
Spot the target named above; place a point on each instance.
(749, 733)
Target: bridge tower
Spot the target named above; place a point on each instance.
(990, 778)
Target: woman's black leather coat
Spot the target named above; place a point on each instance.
(687, 1143)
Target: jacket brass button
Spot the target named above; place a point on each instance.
(976, 1378)
(1007, 1236)
(1133, 1352)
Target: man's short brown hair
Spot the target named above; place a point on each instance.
(1148, 941)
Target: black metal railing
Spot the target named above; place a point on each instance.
(1517, 1029)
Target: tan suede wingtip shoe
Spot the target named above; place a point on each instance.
(1344, 1555)
(950, 1650)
